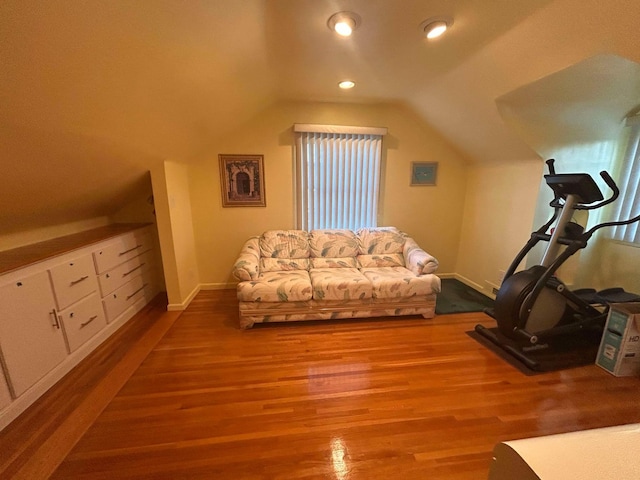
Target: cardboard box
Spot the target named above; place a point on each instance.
(619, 351)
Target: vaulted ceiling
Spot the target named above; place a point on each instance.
(93, 93)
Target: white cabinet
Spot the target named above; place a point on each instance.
(31, 336)
(56, 310)
(126, 273)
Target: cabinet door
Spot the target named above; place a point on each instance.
(31, 338)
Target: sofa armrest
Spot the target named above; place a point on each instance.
(247, 266)
(417, 260)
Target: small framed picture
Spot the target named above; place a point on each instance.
(242, 180)
(423, 173)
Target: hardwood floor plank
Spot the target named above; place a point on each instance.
(362, 399)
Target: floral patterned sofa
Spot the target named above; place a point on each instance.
(290, 275)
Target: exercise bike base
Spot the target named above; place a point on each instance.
(493, 338)
(551, 354)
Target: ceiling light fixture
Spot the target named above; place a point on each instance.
(435, 26)
(347, 84)
(344, 23)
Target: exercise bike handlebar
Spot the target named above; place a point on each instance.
(552, 169)
(614, 188)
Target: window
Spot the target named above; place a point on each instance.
(337, 176)
(628, 204)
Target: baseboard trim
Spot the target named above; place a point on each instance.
(176, 307)
(218, 286)
(469, 283)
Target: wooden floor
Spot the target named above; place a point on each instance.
(395, 398)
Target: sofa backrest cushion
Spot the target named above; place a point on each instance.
(284, 244)
(382, 260)
(375, 241)
(333, 243)
(283, 264)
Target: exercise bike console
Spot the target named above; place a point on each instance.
(580, 185)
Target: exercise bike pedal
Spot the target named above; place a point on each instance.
(589, 295)
(617, 295)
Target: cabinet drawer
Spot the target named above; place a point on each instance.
(118, 276)
(122, 249)
(118, 301)
(82, 320)
(73, 280)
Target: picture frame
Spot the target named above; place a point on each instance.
(424, 173)
(242, 180)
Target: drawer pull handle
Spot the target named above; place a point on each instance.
(133, 270)
(56, 322)
(138, 290)
(130, 250)
(84, 324)
(81, 279)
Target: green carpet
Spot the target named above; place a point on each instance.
(456, 297)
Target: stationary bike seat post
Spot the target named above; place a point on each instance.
(553, 248)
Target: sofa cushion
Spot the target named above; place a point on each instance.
(291, 286)
(283, 264)
(339, 284)
(247, 264)
(393, 282)
(343, 262)
(284, 244)
(333, 243)
(380, 240)
(383, 260)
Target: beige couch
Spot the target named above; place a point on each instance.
(291, 275)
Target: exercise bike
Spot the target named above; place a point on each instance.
(534, 305)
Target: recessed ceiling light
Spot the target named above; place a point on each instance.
(344, 23)
(347, 84)
(435, 26)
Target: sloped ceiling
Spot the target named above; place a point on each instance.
(94, 93)
(584, 103)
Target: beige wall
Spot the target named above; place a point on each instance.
(498, 219)
(432, 215)
(175, 229)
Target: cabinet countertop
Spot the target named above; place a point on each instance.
(37, 252)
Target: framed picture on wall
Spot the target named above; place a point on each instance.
(423, 173)
(242, 180)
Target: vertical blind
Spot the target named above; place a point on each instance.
(338, 176)
(628, 205)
